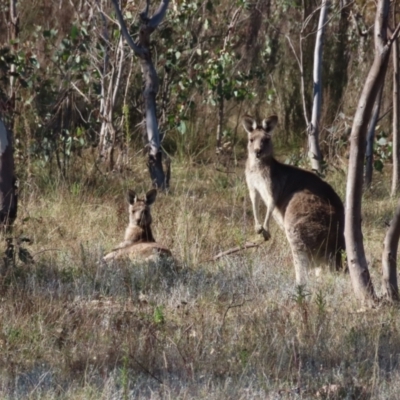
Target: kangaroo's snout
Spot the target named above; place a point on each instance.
(258, 153)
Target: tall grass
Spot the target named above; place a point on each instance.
(74, 327)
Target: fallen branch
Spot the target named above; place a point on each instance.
(247, 245)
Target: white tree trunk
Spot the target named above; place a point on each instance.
(389, 258)
(13, 36)
(396, 110)
(314, 152)
(357, 262)
(369, 157)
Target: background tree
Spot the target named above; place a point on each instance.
(389, 258)
(369, 155)
(314, 153)
(8, 190)
(396, 115)
(150, 77)
(8, 71)
(357, 262)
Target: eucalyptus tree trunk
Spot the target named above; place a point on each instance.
(220, 124)
(396, 110)
(110, 85)
(151, 84)
(369, 156)
(220, 91)
(391, 242)
(8, 195)
(13, 37)
(314, 152)
(389, 258)
(8, 191)
(357, 262)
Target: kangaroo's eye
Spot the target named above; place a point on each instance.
(251, 140)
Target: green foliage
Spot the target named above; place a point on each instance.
(25, 65)
(201, 65)
(195, 58)
(382, 151)
(158, 316)
(320, 302)
(300, 296)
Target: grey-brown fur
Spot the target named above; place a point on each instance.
(139, 241)
(139, 229)
(304, 206)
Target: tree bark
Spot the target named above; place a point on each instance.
(8, 195)
(110, 85)
(357, 262)
(314, 152)
(396, 110)
(220, 125)
(13, 37)
(369, 157)
(151, 84)
(389, 258)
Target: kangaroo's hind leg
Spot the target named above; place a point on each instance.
(300, 254)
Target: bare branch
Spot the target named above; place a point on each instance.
(80, 92)
(299, 61)
(158, 15)
(140, 52)
(293, 50)
(231, 27)
(394, 35)
(120, 54)
(144, 14)
(356, 18)
(247, 245)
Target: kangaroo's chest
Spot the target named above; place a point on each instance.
(261, 181)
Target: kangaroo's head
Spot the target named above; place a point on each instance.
(260, 143)
(139, 209)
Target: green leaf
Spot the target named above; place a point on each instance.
(382, 141)
(74, 32)
(182, 127)
(159, 315)
(378, 165)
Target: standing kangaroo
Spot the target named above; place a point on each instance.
(303, 205)
(139, 241)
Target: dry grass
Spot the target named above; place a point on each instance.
(72, 327)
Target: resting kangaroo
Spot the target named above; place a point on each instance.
(303, 205)
(139, 241)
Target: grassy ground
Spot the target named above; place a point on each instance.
(237, 328)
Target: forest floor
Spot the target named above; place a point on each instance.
(193, 328)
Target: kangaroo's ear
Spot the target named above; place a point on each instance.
(151, 196)
(269, 123)
(249, 123)
(131, 197)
